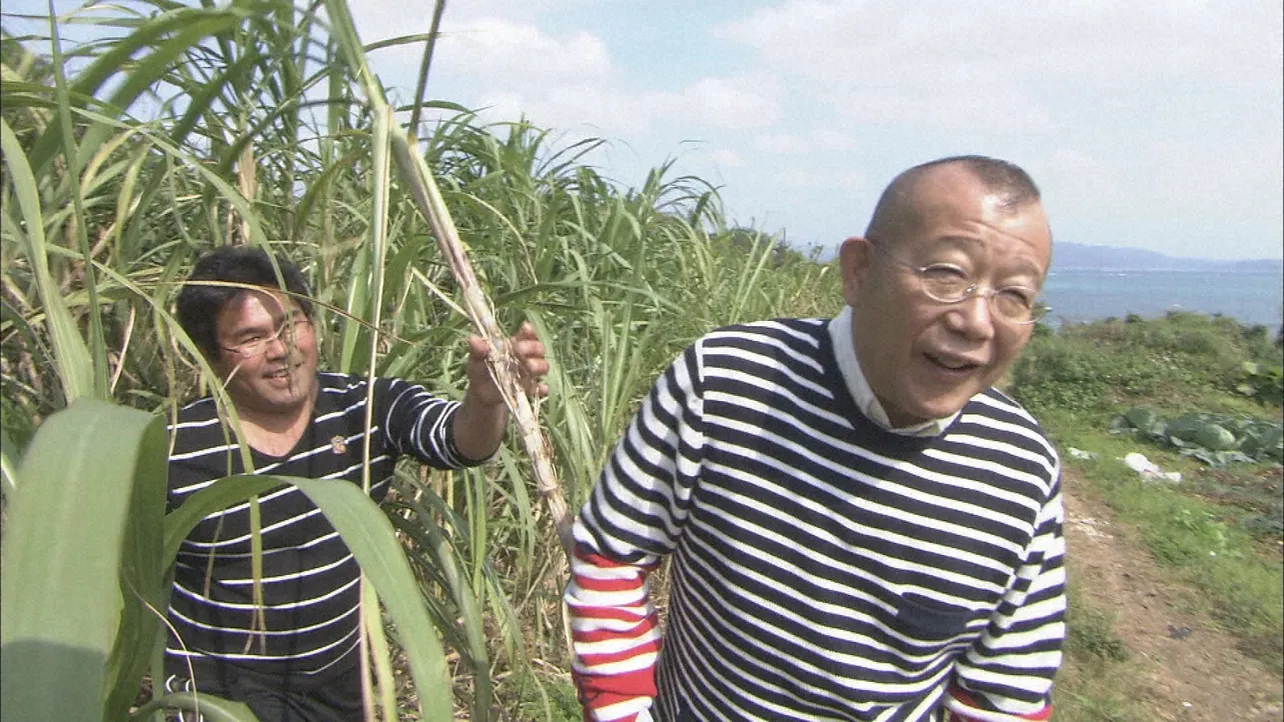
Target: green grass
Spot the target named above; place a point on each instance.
(1218, 531)
(1204, 543)
(1090, 632)
(1095, 680)
(530, 695)
(1176, 362)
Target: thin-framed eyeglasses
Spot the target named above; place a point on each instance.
(947, 283)
(287, 332)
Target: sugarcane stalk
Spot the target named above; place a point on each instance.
(503, 366)
(501, 362)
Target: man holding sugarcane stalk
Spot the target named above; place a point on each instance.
(860, 526)
(294, 657)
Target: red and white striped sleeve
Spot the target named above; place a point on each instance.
(633, 518)
(615, 635)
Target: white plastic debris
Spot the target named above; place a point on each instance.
(1081, 454)
(1140, 464)
(1148, 470)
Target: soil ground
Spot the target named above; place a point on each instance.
(1189, 669)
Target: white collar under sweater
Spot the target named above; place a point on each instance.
(840, 335)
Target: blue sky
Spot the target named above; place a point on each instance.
(1150, 124)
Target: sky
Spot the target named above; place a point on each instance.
(1155, 124)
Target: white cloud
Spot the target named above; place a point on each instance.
(1087, 169)
(563, 81)
(1211, 179)
(833, 140)
(727, 158)
(503, 52)
(588, 108)
(1130, 115)
(991, 63)
(843, 180)
(782, 143)
(853, 180)
(742, 102)
(793, 143)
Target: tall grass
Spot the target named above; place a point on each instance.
(190, 127)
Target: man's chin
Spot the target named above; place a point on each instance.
(287, 399)
(933, 409)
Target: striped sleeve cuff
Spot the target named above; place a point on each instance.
(961, 707)
(616, 638)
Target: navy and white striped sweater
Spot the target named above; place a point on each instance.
(310, 578)
(823, 568)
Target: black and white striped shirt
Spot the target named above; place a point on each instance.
(823, 568)
(310, 578)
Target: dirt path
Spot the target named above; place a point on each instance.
(1190, 669)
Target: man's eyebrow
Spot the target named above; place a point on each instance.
(255, 327)
(295, 316)
(1027, 266)
(247, 332)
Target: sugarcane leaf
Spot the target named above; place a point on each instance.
(79, 562)
(71, 354)
(211, 708)
(370, 536)
(221, 494)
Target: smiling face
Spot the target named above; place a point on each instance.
(277, 381)
(924, 359)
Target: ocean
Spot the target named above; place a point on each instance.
(1092, 294)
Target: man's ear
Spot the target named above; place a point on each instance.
(854, 258)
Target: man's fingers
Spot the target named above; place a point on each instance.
(477, 347)
(529, 349)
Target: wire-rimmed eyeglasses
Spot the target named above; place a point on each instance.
(287, 331)
(949, 284)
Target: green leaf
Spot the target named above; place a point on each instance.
(211, 708)
(221, 494)
(79, 560)
(370, 536)
(9, 456)
(443, 559)
(164, 38)
(71, 354)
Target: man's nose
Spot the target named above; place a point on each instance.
(974, 316)
(277, 346)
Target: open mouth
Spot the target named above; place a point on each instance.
(952, 364)
(279, 374)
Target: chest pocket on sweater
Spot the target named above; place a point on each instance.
(928, 619)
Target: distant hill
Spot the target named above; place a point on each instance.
(1079, 256)
(1067, 256)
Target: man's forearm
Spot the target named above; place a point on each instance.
(479, 428)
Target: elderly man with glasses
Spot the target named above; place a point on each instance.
(860, 526)
(293, 654)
